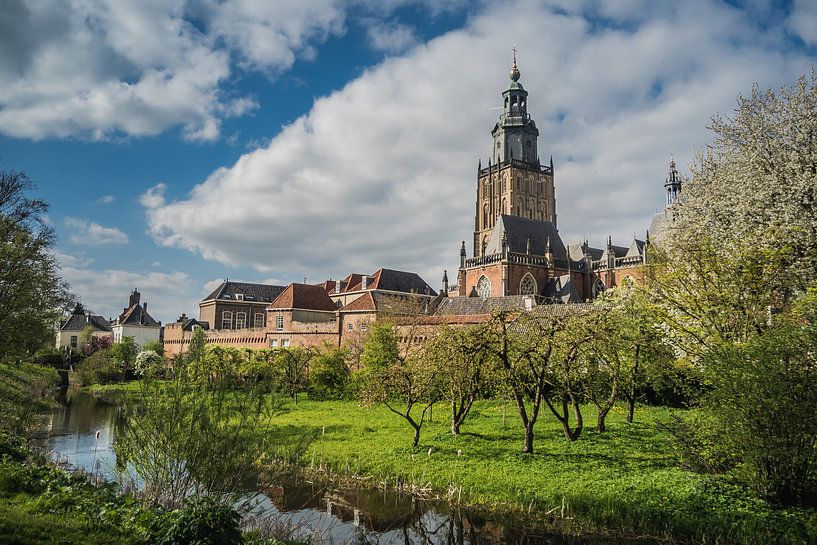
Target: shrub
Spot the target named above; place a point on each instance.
(149, 363)
(203, 521)
(98, 368)
(328, 376)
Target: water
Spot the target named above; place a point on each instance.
(81, 434)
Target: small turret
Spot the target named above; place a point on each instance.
(673, 183)
(445, 283)
(462, 255)
(549, 251)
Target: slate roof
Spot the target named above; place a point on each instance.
(576, 251)
(265, 293)
(518, 230)
(636, 248)
(562, 290)
(137, 315)
(477, 305)
(77, 322)
(407, 282)
(305, 297)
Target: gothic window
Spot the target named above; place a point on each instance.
(258, 321)
(226, 320)
(528, 285)
(483, 287)
(504, 184)
(240, 320)
(484, 244)
(598, 288)
(484, 216)
(504, 204)
(527, 186)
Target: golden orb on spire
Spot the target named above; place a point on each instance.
(514, 70)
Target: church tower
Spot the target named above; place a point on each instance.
(673, 183)
(514, 183)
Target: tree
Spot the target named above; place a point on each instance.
(537, 353)
(124, 353)
(744, 236)
(465, 367)
(328, 374)
(401, 380)
(292, 365)
(31, 292)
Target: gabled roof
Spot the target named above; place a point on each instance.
(618, 251)
(363, 303)
(519, 230)
(407, 282)
(636, 248)
(78, 322)
(137, 315)
(576, 251)
(227, 291)
(305, 297)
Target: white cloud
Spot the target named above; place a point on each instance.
(382, 172)
(102, 68)
(106, 291)
(803, 20)
(73, 260)
(106, 199)
(391, 36)
(92, 234)
(154, 197)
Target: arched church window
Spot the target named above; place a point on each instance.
(504, 204)
(484, 244)
(484, 287)
(528, 285)
(484, 215)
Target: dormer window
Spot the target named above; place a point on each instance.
(239, 296)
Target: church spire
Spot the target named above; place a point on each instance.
(673, 183)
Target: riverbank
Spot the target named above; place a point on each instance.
(625, 482)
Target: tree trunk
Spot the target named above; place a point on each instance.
(455, 424)
(416, 436)
(528, 448)
(632, 390)
(601, 425)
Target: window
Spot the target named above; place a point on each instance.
(484, 287)
(258, 321)
(350, 326)
(226, 320)
(239, 296)
(73, 341)
(363, 326)
(528, 285)
(273, 343)
(240, 320)
(279, 322)
(284, 343)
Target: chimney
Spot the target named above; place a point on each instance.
(88, 317)
(145, 306)
(364, 282)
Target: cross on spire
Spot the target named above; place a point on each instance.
(514, 54)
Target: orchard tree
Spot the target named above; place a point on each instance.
(292, 365)
(465, 367)
(401, 379)
(31, 292)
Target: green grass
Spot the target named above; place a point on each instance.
(624, 481)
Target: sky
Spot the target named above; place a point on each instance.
(183, 142)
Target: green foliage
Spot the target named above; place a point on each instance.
(26, 390)
(380, 349)
(763, 393)
(124, 353)
(202, 521)
(155, 346)
(99, 368)
(328, 374)
(32, 293)
(202, 431)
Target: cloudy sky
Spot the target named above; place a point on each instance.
(183, 142)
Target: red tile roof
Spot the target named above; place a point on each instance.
(365, 302)
(304, 296)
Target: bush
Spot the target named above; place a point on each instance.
(149, 363)
(328, 376)
(26, 390)
(99, 368)
(203, 521)
(763, 394)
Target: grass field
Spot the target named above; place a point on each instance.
(625, 481)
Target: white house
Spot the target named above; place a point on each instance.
(136, 322)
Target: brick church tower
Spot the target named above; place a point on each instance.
(514, 183)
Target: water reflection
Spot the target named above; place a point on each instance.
(82, 433)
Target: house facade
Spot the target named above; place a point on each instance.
(136, 322)
(70, 332)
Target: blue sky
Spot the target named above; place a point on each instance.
(183, 142)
